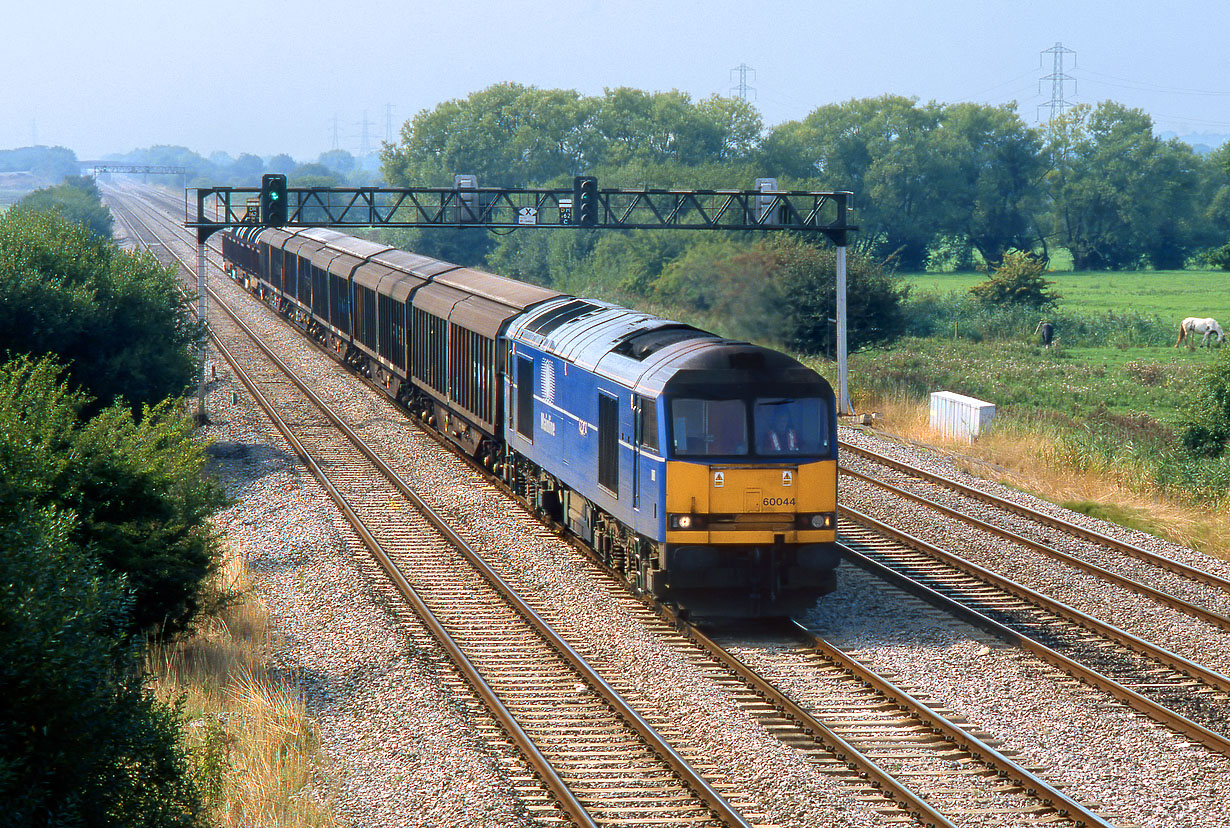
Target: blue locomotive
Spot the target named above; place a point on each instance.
(702, 469)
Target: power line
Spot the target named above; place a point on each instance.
(1145, 86)
(1057, 78)
(1189, 120)
(1008, 82)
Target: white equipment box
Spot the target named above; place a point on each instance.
(955, 415)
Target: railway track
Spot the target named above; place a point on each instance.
(1201, 612)
(920, 744)
(909, 471)
(1173, 690)
(1176, 691)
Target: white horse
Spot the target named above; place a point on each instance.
(1194, 326)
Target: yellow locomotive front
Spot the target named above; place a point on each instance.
(751, 493)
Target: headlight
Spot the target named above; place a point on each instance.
(823, 520)
(686, 522)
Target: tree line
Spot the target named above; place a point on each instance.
(334, 168)
(933, 183)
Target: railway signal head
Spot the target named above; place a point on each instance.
(274, 208)
(585, 200)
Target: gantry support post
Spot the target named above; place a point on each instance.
(843, 388)
(201, 417)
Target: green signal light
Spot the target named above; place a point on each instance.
(273, 196)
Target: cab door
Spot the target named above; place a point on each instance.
(645, 441)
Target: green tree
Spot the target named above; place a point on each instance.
(1217, 213)
(247, 170)
(507, 134)
(881, 149)
(736, 286)
(992, 193)
(314, 175)
(731, 129)
(144, 502)
(547, 259)
(338, 160)
(1220, 257)
(199, 169)
(513, 135)
(78, 200)
(782, 291)
(115, 318)
(52, 164)
(1017, 280)
(627, 266)
(82, 742)
(807, 276)
(1122, 198)
(467, 246)
(667, 127)
(281, 163)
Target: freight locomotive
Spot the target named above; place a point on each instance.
(702, 469)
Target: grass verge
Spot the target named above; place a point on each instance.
(1039, 458)
(252, 747)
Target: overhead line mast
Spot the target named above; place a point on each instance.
(742, 89)
(1057, 104)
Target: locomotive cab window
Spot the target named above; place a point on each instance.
(647, 423)
(786, 425)
(701, 428)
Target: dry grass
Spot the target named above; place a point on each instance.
(1030, 458)
(252, 746)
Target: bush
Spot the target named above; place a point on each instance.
(1220, 257)
(959, 315)
(874, 299)
(1017, 280)
(737, 287)
(82, 742)
(1207, 425)
(115, 319)
(135, 487)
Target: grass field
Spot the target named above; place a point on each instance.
(1170, 294)
(1074, 385)
(1095, 422)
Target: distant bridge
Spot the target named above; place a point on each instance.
(99, 167)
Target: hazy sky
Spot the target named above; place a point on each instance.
(269, 76)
